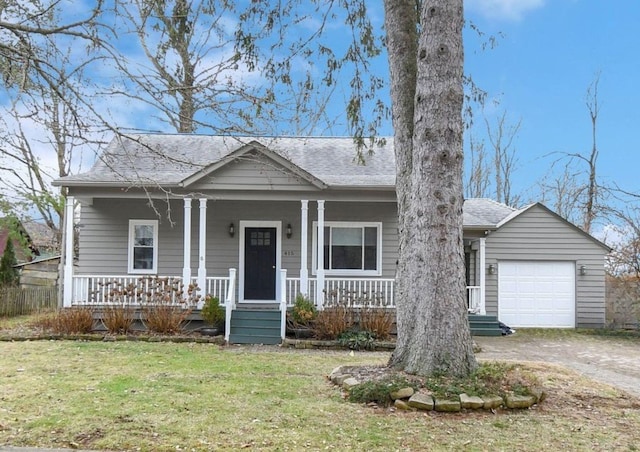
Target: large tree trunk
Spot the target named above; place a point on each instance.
(433, 332)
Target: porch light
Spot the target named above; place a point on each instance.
(492, 269)
(583, 270)
(288, 231)
(232, 230)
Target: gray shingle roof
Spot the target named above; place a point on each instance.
(168, 159)
(482, 213)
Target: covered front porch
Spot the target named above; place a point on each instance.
(272, 267)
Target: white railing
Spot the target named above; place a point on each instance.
(283, 304)
(230, 303)
(474, 300)
(355, 292)
(133, 290)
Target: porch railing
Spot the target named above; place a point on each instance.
(117, 289)
(474, 300)
(355, 292)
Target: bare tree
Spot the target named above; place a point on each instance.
(42, 60)
(427, 95)
(586, 195)
(477, 185)
(501, 136)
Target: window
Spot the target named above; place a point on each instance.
(350, 248)
(143, 246)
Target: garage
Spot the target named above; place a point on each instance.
(537, 294)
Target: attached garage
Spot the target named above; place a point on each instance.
(539, 270)
(537, 294)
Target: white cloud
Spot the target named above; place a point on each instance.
(614, 235)
(510, 10)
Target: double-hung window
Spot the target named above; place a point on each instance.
(350, 248)
(143, 246)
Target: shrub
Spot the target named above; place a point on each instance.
(166, 304)
(69, 321)
(332, 322)
(118, 319)
(212, 313)
(165, 318)
(9, 275)
(357, 340)
(377, 321)
(379, 391)
(304, 311)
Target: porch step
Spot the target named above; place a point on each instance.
(484, 325)
(255, 326)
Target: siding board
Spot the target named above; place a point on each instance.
(105, 226)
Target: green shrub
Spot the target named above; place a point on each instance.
(212, 313)
(357, 340)
(9, 275)
(304, 311)
(379, 391)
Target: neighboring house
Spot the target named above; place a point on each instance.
(40, 272)
(23, 246)
(43, 238)
(253, 239)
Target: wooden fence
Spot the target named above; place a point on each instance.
(16, 301)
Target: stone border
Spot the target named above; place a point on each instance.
(408, 399)
(219, 340)
(378, 346)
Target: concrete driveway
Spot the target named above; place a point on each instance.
(609, 360)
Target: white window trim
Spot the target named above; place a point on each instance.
(132, 225)
(349, 272)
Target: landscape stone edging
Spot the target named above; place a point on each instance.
(114, 338)
(408, 399)
(378, 346)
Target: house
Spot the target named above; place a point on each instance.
(13, 229)
(240, 216)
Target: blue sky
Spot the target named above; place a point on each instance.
(548, 55)
(540, 71)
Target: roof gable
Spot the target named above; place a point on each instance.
(521, 213)
(266, 165)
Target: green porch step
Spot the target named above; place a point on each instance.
(484, 325)
(255, 326)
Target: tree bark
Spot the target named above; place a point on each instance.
(433, 331)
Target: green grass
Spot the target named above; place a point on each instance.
(165, 396)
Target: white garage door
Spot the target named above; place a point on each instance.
(537, 294)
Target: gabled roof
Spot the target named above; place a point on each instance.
(254, 146)
(525, 209)
(175, 159)
(483, 213)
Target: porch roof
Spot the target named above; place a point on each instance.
(483, 213)
(171, 159)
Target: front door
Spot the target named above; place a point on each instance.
(260, 263)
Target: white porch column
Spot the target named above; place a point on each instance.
(67, 296)
(483, 272)
(320, 254)
(304, 226)
(202, 249)
(186, 253)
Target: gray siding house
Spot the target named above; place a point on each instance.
(257, 220)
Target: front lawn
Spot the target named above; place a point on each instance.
(188, 396)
